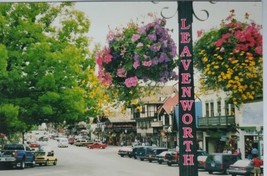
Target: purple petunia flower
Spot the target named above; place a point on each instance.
(152, 37)
(136, 57)
(141, 30)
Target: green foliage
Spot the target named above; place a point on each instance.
(230, 58)
(43, 62)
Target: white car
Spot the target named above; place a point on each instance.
(63, 142)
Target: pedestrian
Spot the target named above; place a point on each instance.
(254, 152)
(257, 163)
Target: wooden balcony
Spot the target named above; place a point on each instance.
(216, 122)
(156, 124)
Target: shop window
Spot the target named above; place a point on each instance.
(226, 108)
(212, 109)
(207, 110)
(219, 107)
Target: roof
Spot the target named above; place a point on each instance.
(161, 93)
(169, 104)
(120, 117)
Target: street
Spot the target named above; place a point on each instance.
(81, 161)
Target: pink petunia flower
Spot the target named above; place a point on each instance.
(147, 63)
(135, 37)
(136, 64)
(110, 36)
(121, 72)
(131, 82)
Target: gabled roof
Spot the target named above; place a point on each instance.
(169, 104)
(161, 94)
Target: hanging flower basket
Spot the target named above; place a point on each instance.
(230, 58)
(137, 55)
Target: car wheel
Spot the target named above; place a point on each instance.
(169, 164)
(33, 163)
(122, 155)
(150, 161)
(226, 172)
(160, 162)
(22, 164)
(141, 159)
(55, 162)
(46, 162)
(210, 172)
(233, 174)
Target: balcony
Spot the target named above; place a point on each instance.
(216, 122)
(156, 124)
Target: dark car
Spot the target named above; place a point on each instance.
(152, 155)
(135, 151)
(143, 151)
(219, 162)
(201, 158)
(241, 167)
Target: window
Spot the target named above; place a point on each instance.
(167, 119)
(212, 109)
(226, 108)
(143, 109)
(207, 110)
(232, 109)
(219, 107)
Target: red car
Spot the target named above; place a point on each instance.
(97, 145)
(34, 145)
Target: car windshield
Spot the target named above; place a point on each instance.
(215, 157)
(39, 153)
(13, 147)
(163, 153)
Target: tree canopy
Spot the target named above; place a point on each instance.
(44, 62)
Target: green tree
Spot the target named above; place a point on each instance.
(44, 61)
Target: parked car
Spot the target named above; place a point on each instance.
(71, 140)
(161, 158)
(34, 145)
(172, 158)
(63, 142)
(219, 162)
(82, 141)
(241, 167)
(135, 151)
(201, 158)
(43, 157)
(143, 151)
(97, 145)
(125, 151)
(201, 161)
(152, 156)
(17, 155)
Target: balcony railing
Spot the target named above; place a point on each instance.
(216, 122)
(156, 124)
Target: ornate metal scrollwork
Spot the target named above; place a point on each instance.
(175, 13)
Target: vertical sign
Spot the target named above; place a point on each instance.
(188, 165)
